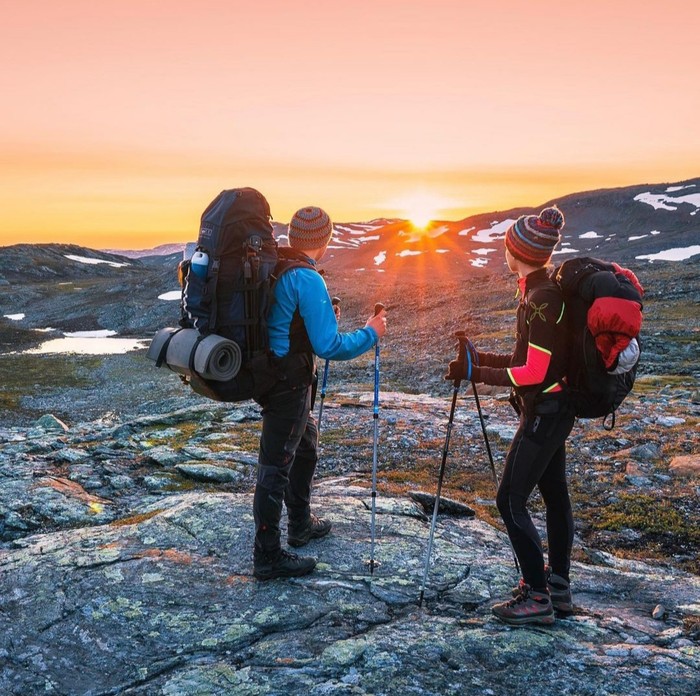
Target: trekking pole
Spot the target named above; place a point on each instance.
(439, 488)
(372, 563)
(334, 302)
(493, 467)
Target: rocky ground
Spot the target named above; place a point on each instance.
(126, 566)
(125, 530)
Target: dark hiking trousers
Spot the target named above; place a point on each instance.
(537, 457)
(286, 461)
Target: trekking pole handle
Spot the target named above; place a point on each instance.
(378, 308)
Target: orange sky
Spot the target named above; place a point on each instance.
(122, 119)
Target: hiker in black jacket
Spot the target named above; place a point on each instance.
(535, 372)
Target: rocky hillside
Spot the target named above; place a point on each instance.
(125, 499)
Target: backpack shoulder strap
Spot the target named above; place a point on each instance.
(287, 259)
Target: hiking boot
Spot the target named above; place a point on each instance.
(281, 564)
(528, 607)
(299, 534)
(559, 591)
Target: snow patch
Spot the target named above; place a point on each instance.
(590, 235)
(172, 295)
(464, 233)
(495, 232)
(441, 251)
(94, 262)
(380, 258)
(89, 346)
(660, 201)
(675, 254)
(637, 236)
(482, 251)
(438, 231)
(479, 263)
(14, 317)
(671, 189)
(565, 251)
(409, 252)
(358, 228)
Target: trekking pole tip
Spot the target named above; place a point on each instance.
(372, 564)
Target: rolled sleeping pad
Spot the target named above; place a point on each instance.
(211, 357)
(156, 351)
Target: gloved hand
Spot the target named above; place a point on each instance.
(467, 358)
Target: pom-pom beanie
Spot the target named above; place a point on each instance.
(532, 238)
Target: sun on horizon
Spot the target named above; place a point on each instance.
(421, 207)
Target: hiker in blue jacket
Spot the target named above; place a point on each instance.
(302, 324)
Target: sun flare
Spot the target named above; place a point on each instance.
(422, 207)
(420, 218)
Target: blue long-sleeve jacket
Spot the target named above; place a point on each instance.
(305, 290)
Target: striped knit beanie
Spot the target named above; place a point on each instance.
(532, 238)
(310, 228)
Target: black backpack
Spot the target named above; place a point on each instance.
(595, 391)
(233, 298)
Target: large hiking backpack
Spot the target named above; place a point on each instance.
(231, 299)
(604, 316)
(224, 310)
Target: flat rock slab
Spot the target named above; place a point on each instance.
(164, 603)
(686, 465)
(209, 472)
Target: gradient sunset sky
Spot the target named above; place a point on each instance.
(122, 119)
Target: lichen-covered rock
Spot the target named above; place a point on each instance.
(208, 472)
(164, 602)
(50, 422)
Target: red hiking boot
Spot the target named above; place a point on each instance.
(528, 607)
(559, 592)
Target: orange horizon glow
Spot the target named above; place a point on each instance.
(123, 119)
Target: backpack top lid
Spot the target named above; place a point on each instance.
(590, 278)
(244, 211)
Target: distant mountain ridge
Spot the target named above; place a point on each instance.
(74, 288)
(625, 223)
(160, 250)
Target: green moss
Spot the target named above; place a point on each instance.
(667, 527)
(31, 374)
(246, 437)
(646, 514)
(187, 432)
(646, 384)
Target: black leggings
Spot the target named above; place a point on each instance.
(537, 457)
